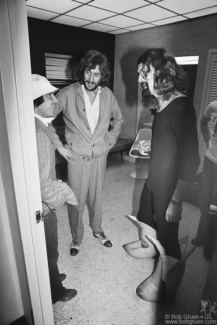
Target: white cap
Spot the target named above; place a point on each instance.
(41, 86)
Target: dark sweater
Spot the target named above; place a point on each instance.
(174, 153)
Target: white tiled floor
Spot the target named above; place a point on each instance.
(106, 278)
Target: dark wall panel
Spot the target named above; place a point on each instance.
(57, 38)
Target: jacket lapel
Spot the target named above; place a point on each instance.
(102, 99)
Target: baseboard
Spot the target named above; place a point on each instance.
(20, 321)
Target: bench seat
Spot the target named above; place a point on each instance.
(122, 145)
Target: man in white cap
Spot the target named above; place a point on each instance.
(54, 193)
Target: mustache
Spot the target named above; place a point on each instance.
(90, 82)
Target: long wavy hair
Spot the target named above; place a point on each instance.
(168, 75)
(89, 61)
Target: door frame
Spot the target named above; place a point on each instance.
(18, 106)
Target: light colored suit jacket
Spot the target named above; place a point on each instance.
(77, 130)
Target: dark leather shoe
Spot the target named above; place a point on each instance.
(103, 239)
(68, 295)
(108, 243)
(74, 248)
(62, 276)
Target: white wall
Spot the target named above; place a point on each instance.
(10, 242)
(14, 290)
(10, 295)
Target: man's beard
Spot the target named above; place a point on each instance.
(85, 82)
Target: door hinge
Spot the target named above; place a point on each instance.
(39, 215)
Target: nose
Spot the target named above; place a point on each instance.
(91, 77)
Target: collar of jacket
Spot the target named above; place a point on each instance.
(40, 123)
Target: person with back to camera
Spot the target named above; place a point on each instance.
(208, 188)
(173, 164)
(54, 193)
(92, 124)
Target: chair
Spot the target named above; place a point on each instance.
(139, 150)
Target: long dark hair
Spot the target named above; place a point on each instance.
(89, 61)
(167, 77)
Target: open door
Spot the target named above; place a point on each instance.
(209, 95)
(18, 106)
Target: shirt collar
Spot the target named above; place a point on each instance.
(45, 120)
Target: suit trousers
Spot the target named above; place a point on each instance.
(86, 178)
(51, 237)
